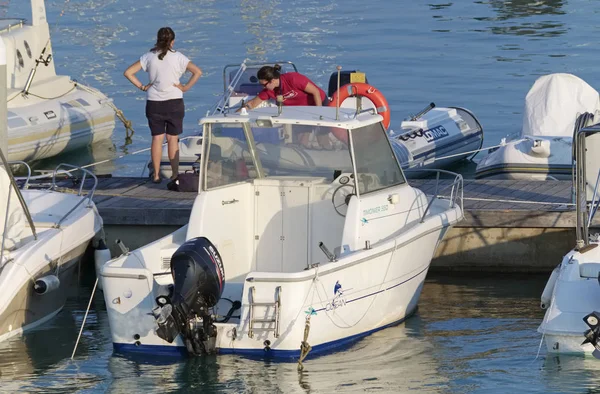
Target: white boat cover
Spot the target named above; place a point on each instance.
(15, 226)
(554, 102)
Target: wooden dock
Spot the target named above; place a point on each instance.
(509, 226)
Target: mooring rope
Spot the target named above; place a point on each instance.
(304, 346)
(129, 131)
(473, 151)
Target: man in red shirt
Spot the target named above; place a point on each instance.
(296, 89)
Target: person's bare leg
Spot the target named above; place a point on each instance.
(303, 139)
(173, 148)
(156, 153)
(324, 141)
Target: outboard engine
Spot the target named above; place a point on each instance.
(593, 334)
(198, 281)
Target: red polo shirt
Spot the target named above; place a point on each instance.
(291, 87)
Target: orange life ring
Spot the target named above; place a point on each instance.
(364, 90)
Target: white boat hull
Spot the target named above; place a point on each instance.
(368, 302)
(575, 294)
(556, 106)
(535, 158)
(47, 114)
(55, 252)
(51, 127)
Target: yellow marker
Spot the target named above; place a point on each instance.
(357, 77)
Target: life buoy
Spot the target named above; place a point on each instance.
(368, 91)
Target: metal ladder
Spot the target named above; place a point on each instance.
(277, 307)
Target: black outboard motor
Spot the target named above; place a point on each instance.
(593, 334)
(198, 278)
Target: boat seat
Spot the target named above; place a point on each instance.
(251, 89)
(589, 270)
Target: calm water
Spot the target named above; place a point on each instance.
(483, 55)
(470, 335)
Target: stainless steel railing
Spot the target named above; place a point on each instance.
(88, 196)
(455, 186)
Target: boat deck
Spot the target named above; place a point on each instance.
(508, 226)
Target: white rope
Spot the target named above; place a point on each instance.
(84, 318)
(476, 150)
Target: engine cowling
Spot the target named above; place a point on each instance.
(198, 281)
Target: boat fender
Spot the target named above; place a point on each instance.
(541, 148)
(549, 289)
(46, 284)
(359, 89)
(101, 257)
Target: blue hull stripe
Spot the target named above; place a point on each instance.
(380, 291)
(160, 350)
(174, 351)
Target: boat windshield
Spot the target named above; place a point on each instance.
(282, 150)
(300, 151)
(376, 165)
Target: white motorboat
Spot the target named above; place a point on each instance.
(555, 107)
(572, 294)
(436, 137)
(287, 248)
(44, 235)
(47, 113)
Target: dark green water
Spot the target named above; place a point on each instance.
(470, 335)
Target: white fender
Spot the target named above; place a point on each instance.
(101, 257)
(549, 289)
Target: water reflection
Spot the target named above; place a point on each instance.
(530, 10)
(260, 18)
(394, 359)
(524, 8)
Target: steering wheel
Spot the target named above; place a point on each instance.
(341, 198)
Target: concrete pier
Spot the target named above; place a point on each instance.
(509, 226)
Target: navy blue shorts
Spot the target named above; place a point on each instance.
(165, 116)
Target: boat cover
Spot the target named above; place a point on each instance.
(13, 229)
(554, 102)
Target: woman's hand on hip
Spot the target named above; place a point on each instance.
(181, 87)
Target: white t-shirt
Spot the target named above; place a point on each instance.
(164, 74)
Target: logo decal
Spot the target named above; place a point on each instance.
(337, 289)
(338, 300)
(289, 95)
(435, 133)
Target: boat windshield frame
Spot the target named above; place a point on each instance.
(241, 150)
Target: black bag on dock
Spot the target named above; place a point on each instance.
(187, 182)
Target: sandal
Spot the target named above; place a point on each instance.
(157, 180)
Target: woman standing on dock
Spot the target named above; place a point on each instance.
(164, 106)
